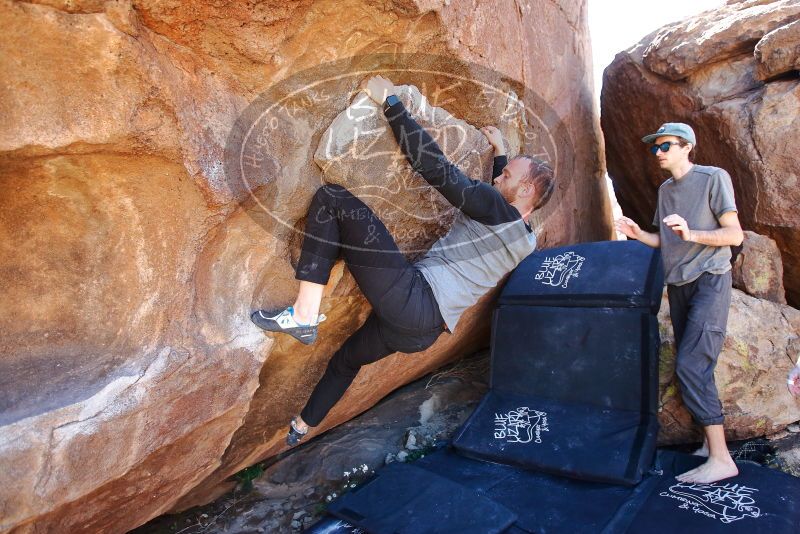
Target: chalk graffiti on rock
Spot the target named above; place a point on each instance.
(522, 425)
(726, 502)
(558, 270)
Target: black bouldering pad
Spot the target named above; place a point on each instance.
(403, 498)
(759, 499)
(599, 274)
(543, 503)
(601, 356)
(574, 440)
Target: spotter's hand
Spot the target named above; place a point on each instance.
(678, 225)
(628, 227)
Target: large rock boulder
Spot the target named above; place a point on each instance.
(758, 270)
(732, 74)
(132, 381)
(778, 52)
(762, 342)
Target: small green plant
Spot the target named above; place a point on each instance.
(247, 475)
(415, 455)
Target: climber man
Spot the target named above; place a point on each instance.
(698, 222)
(411, 303)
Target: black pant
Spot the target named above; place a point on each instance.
(405, 316)
(699, 313)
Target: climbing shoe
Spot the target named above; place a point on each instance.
(294, 436)
(283, 321)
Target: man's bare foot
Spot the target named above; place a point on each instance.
(702, 451)
(711, 471)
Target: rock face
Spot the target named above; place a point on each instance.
(732, 74)
(758, 270)
(410, 421)
(359, 151)
(132, 381)
(778, 52)
(790, 457)
(762, 342)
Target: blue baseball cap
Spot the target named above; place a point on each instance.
(678, 129)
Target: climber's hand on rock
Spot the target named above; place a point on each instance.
(628, 227)
(794, 381)
(379, 88)
(495, 139)
(678, 225)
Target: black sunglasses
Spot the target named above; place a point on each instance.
(663, 147)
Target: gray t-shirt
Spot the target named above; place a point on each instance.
(700, 197)
(471, 259)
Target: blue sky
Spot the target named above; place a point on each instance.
(618, 24)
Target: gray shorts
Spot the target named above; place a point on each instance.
(699, 313)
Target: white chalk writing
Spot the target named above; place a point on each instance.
(726, 502)
(522, 425)
(558, 270)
